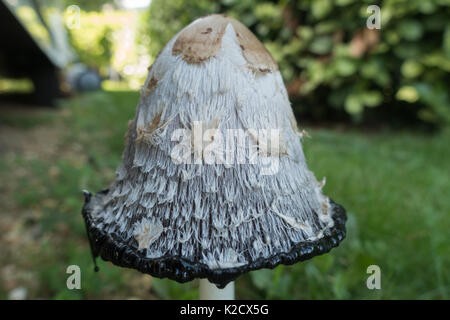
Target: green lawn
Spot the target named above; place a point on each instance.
(395, 186)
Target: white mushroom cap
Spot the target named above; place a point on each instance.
(189, 201)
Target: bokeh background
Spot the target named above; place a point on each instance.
(375, 103)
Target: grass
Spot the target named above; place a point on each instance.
(393, 184)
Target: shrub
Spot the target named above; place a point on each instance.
(328, 58)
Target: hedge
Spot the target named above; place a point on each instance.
(330, 61)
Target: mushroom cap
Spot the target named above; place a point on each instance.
(250, 202)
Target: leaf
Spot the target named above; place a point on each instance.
(371, 98)
(353, 104)
(321, 45)
(446, 41)
(345, 67)
(411, 69)
(410, 30)
(408, 94)
(321, 8)
(305, 32)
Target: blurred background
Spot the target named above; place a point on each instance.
(374, 101)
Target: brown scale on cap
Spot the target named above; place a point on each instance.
(203, 39)
(152, 84)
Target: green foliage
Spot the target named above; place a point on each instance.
(105, 41)
(88, 5)
(330, 60)
(168, 17)
(92, 41)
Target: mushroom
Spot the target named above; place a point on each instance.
(213, 181)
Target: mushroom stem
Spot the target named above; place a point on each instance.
(209, 291)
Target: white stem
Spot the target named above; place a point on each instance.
(209, 291)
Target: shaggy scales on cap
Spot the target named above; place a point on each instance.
(170, 212)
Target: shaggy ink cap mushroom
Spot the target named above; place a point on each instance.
(213, 181)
